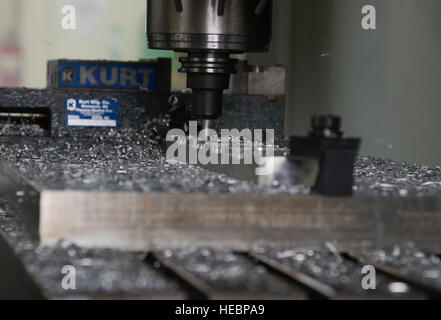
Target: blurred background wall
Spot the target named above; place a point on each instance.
(386, 84)
(105, 29)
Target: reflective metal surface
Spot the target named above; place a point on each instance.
(242, 25)
(209, 31)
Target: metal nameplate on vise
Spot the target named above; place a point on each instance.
(92, 113)
(148, 75)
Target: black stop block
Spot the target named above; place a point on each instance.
(336, 158)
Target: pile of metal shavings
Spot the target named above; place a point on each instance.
(99, 273)
(380, 177)
(411, 261)
(328, 266)
(230, 273)
(119, 160)
(22, 128)
(134, 111)
(13, 228)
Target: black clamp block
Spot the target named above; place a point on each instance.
(336, 155)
